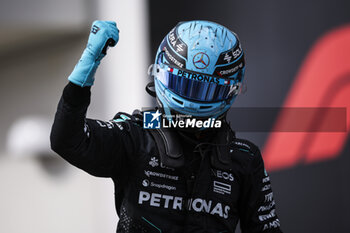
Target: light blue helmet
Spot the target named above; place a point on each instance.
(198, 70)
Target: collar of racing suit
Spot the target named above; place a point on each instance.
(214, 143)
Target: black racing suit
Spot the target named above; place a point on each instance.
(167, 181)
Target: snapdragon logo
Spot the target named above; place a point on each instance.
(155, 120)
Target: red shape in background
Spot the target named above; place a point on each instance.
(322, 81)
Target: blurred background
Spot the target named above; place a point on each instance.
(297, 55)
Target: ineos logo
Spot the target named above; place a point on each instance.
(223, 175)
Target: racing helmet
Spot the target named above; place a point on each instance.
(198, 70)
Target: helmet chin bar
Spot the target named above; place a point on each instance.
(170, 112)
(170, 101)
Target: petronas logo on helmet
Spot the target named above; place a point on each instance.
(198, 77)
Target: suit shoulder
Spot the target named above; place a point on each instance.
(245, 146)
(245, 152)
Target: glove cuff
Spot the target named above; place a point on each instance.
(84, 72)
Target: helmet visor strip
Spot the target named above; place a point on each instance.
(196, 86)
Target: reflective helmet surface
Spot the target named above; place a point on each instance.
(198, 69)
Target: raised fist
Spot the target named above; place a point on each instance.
(102, 35)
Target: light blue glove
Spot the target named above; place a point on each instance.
(103, 34)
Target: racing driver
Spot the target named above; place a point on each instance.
(170, 179)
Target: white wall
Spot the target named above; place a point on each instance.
(125, 70)
(35, 62)
(33, 202)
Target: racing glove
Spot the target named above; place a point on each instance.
(102, 35)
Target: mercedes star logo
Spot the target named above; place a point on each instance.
(201, 60)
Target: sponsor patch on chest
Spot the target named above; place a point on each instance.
(180, 203)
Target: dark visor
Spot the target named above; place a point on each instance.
(196, 87)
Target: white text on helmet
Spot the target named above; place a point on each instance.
(198, 77)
